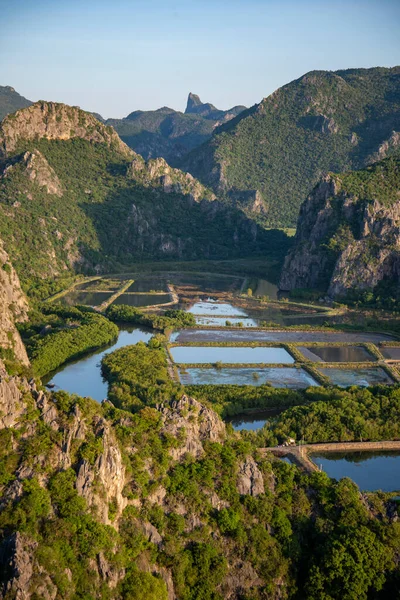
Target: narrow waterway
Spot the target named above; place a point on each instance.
(83, 376)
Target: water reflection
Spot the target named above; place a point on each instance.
(83, 376)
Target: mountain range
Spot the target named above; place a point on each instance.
(74, 197)
(280, 148)
(98, 204)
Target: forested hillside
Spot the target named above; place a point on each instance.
(74, 197)
(324, 121)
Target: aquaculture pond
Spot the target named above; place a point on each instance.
(142, 299)
(391, 352)
(337, 354)
(371, 471)
(282, 377)
(99, 285)
(148, 285)
(83, 376)
(360, 377)
(214, 309)
(226, 321)
(243, 335)
(85, 298)
(229, 355)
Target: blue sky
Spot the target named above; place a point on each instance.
(122, 55)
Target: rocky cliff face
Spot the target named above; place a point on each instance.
(36, 168)
(13, 307)
(348, 235)
(102, 477)
(158, 173)
(54, 121)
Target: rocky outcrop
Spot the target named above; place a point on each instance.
(102, 483)
(37, 169)
(23, 573)
(13, 307)
(196, 107)
(191, 423)
(250, 479)
(157, 172)
(54, 121)
(348, 234)
(12, 406)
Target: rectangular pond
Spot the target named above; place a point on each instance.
(281, 377)
(148, 285)
(243, 335)
(360, 377)
(85, 298)
(207, 307)
(369, 470)
(229, 355)
(391, 352)
(226, 321)
(337, 354)
(99, 285)
(142, 299)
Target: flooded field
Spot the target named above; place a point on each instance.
(208, 307)
(85, 298)
(99, 285)
(226, 321)
(142, 299)
(83, 376)
(392, 353)
(241, 335)
(369, 470)
(228, 355)
(148, 285)
(360, 377)
(277, 377)
(337, 354)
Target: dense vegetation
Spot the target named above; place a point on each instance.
(60, 334)
(104, 218)
(344, 415)
(324, 121)
(304, 536)
(138, 376)
(170, 319)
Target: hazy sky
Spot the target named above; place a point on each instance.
(117, 56)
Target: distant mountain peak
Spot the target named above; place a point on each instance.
(192, 101)
(195, 105)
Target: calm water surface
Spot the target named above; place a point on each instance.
(85, 298)
(142, 299)
(243, 335)
(148, 285)
(279, 377)
(361, 377)
(208, 307)
(83, 377)
(226, 321)
(337, 354)
(252, 422)
(369, 470)
(209, 354)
